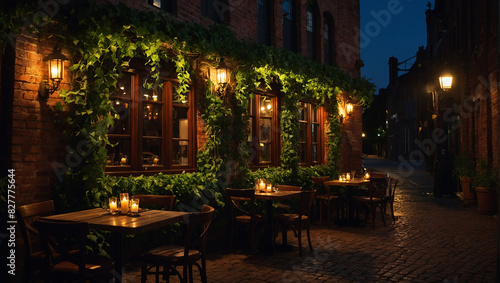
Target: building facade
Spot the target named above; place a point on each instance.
(155, 129)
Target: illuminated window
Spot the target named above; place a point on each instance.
(155, 127)
(169, 6)
(263, 139)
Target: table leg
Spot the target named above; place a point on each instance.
(117, 250)
(268, 244)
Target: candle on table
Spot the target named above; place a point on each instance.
(124, 160)
(262, 185)
(269, 188)
(155, 160)
(347, 176)
(124, 202)
(367, 175)
(113, 206)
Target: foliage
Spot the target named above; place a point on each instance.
(485, 176)
(463, 166)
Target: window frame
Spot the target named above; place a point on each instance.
(135, 164)
(254, 145)
(264, 21)
(329, 43)
(293, 33)
(320, 112)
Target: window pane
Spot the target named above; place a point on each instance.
(303, 132)
(122, 125)
(250, 127)
(124, 86)
(314, 114)
(152, 120)
(180, 123)
(151, 151)
(180, 152)
(179, 99)
(154, 94)
(315, 153)
(263, 21)
(314, 132)
(265, 152)
(265, 130)
(120, 153)
(302, 111)
(266, 107)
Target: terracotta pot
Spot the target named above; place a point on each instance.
(466, 188)
(486, 200)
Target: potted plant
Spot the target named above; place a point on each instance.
(463, 169)
(485, 184)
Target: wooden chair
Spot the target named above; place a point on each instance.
(68, 239)
(389, 199)
(376, 197)
(240, 215)
(285, 207)
(34, 254)
(194, 250)
(298, 220)
(165, 202)
(327, 198)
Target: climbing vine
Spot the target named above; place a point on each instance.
(104, 38)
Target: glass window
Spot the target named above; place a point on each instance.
(166, 5)
(161, 136)
(328, 43)
(216, 10)
(289, 26)
(310, 120)
(311, 29)
(263, 138)
(264, 21)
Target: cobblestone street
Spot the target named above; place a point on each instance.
(432, 240)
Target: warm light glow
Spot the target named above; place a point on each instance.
(446, 81)
(363, 135)
(56, 69)
(221, 76)
(269, 106)
(349, 108)
(124, 202)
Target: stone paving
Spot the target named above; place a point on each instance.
(432, 240)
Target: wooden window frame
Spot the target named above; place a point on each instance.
(135, 164)
(308, 141)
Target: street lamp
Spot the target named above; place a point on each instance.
(56, 73)
(446, 81)
(220, 76)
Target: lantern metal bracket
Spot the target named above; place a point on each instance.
(45, 89)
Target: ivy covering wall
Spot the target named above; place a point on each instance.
(103, 39)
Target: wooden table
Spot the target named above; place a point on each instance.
(100, 219)
(269, 198)
(357, 182)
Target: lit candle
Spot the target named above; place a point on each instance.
(347, 176)
(262, 185)
(269, 188)
(113, 206)
(124, 202)
(367, 175)
(134, 208)
(155, 160)
(124, 160)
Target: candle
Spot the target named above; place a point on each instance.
(113, 205)
(124, 202)
(367, 175)
(262, 185)
(155, 160)
(347, 176)
(269, 188)
(155, 97)
(134, 208)
(124, 160)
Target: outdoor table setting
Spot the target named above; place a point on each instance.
(350, 182)
(125, 217)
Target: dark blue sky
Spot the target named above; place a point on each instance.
(390, 28)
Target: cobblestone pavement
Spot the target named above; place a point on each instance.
(432, 240)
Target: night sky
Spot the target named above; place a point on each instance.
(390, 28)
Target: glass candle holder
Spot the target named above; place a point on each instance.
(134, 207)
(113, 205)
(124, 203)
(367, 176)
(347, 176)
(262, 185)
(269, 188)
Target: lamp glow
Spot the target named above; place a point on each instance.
(446, 81)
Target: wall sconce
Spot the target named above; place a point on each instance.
(349, 107)
(220, 76)
(446, 81)
(56, 73)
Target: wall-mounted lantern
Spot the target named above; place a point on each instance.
(349, 107)
(446, 81)
(220, 76)
(55, 62)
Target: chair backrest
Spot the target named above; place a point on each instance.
(289, 188)
(28, 213)
(67, 239)
(377, 175)
(236, 196)
(202, 218)
(305, 202)
(320, 180)
(378, 187)
(392, 188)
(162, 201)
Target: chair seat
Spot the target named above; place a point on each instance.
(95, 264)
(248, 218)
(170, 253)
(289, 217)
(366, 199)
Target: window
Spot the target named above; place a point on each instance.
(289, 26)
(264, 21)
(312, 32)
(328, 40)
(216, 10)
(155, 129)
(169, 6)
(263, 138)
(310, 135)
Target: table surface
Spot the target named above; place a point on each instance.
(100, 219)
(279, 195)
(355, 182)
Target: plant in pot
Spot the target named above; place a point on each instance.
(463, 169)
(485, 184)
